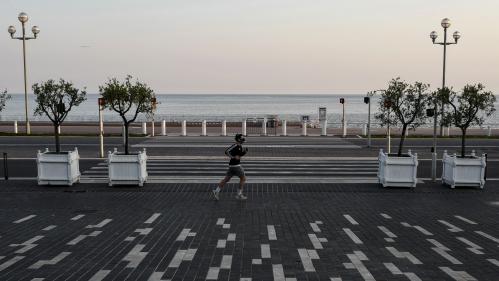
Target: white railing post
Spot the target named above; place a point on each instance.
(304, 128)
(284, 128)
(203, 128)
(59, 129)
(489, 131)
(243, 131)
(152, 128)
(345, 128)
(224, 128)
(264, 127)
(15, 127)
(144, 128)
(324, 128)
(163, 128)
(184, 128)
(364, 129)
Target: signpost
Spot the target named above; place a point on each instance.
(101, 103)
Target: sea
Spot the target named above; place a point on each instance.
(218, 107)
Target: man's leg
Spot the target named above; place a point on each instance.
(240, 195)
(221, 184)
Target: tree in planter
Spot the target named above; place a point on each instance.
(469, 108)
(56, 100)
(128, 99)
(3, 99)
(403, 104)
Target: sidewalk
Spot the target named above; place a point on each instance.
(283, 232)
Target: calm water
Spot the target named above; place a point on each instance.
(219, 107)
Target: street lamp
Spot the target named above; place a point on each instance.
(23, 18)
(433, 35)
(367, 100)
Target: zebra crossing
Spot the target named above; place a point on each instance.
(264, 170)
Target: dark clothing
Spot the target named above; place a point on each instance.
(237, 171)
(233, 151)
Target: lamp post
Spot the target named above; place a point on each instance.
(431, 112)
(23, 18)
(367, 100)
(433, 35)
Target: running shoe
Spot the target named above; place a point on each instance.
(241, 197)
(215, 194)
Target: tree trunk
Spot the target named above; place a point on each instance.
(463, 142)
(57, 141)
(402, 139)
(126, 138)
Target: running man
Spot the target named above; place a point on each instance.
(235, 152)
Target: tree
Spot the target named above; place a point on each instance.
(4, 97)
(56, 100)
(403, 104)
(469, 108)
(128, 99)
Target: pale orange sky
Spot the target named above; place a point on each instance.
(265, 46)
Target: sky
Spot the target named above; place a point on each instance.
(251, 46)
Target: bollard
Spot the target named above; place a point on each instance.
(144, 128)
(284, 128)
(5, 166)
(364, 129)
(203, 128)
(264, 127)
(304, 128)
(344, 128)
(224, 128)
(184, 128)
(324, 128)
(489, 132)
(59, 129)
(152, 128)
(163, 128)
(15, 127)
(244, 128)
(486, 166)
(123, 134)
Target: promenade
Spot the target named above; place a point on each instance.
(314, 212)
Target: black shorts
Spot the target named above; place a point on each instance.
(237, 171)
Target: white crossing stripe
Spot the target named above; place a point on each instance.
(315, 226)
(135, 256)
(265, 251)
(351, 220)
(474, 248)
(53, 261)
(452, 228)
(75, 218)
(488, 236)
(50, 227)
(213, 273)
(352, 236)
(494, 262)
(396, 271)
(402, 255)
(458, 275)
(152, 218)
(27, 245)
(465, 219)
(100, 225)
(271, 232)
(386, 216)
(278, 272)
(100, 275)
(356, 263)
(316, 242)
(226, 262)
(306, 260)
(10, 262)
(24, 219)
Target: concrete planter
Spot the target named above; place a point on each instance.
(127, 169)
(58, 168)
(468, 171)
(398, 171)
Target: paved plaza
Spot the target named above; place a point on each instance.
(282, 232)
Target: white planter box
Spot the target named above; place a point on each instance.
(463, 171)
(127, 169)
(58, 168)
(397, 171)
